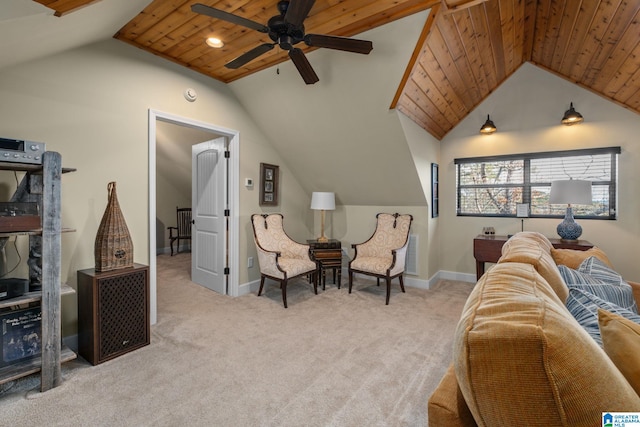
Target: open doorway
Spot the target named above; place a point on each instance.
(175, 156)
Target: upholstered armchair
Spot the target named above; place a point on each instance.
(280, 258)
(383, 255)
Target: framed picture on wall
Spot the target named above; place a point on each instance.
(435, 208)
(268, 184)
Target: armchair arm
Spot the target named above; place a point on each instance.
(399, 259)
(635, 287)
(171, 231)
(268, 262)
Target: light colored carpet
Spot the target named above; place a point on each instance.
(331, 359)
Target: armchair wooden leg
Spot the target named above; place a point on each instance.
(401, 283)
(171, 244)
(350, 280)
(388, 289)
(283, 285)
(315, 282)
(261, 285)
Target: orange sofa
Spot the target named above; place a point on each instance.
(521, 358)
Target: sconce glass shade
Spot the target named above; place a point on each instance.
(572, 117)
(488, 127)
(571, 191)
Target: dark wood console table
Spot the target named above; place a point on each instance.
(489, 249)
(328, 255)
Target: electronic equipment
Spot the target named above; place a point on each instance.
(19, 216)
(21, 151)
(11, 288)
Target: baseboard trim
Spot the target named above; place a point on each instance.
(410, 281)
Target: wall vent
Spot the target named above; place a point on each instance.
(411, 264)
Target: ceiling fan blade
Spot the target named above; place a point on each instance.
(339, 43)
(304, 67)
(249, 56)
(229, 17)
(298, 11)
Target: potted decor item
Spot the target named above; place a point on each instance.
(113, 247)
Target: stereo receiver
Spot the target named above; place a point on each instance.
(21, 151)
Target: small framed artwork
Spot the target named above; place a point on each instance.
(268, 184)
(435, 198)
(522, 210)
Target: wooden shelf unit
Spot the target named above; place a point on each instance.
(42, 184)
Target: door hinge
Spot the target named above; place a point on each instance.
(227, 212)
(227, 154)
(226, 271)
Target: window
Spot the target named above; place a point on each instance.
(493, 186)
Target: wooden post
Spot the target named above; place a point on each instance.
(51, 375)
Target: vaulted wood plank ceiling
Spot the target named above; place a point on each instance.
(470, 50)
(467, 49)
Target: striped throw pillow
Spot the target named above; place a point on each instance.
(583, 306)
(599, 270)
(619, 294)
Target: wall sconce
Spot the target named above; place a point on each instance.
(488, 127)
(572, 117)
(571, 191)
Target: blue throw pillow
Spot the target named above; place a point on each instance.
(583, 306)
(601, 271)
(620, 294)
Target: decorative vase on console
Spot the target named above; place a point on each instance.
(571, 191)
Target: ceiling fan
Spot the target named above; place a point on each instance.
(286, 30)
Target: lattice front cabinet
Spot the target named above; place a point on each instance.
(113, 312)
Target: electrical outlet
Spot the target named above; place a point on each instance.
(250, 262)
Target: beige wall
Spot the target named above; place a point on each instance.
(91, 105)
(527, 110)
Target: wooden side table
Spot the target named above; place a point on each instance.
(489, 249)
(328, 255)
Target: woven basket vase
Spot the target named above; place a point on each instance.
(113, 247)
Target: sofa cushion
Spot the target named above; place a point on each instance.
(621, 341)
(619, 293)
(447, 407)
(521, 359)
(535, 249)
(572, 258)
(584, 305)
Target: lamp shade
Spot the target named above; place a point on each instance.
(321, 200)
(488, 127)
(572, 117)
(571, 191)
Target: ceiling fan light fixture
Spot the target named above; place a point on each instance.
(572, 117)
(488, 127)
(214, 42)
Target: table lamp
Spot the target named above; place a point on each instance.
(572, 191)
(323, 201)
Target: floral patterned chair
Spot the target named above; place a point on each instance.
(280, 258)
(383, 255)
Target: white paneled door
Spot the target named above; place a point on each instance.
(209, 173)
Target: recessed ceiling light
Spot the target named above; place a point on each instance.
(215, 42)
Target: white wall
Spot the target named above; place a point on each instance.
(527, 109)
(91, 105)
